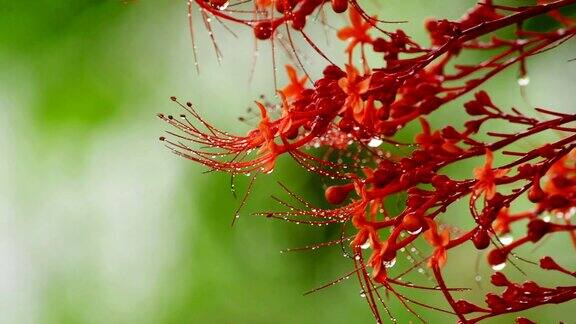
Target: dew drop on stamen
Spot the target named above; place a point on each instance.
(498, 267)
(362, 294)
(523, 81)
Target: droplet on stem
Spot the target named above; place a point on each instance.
(366, 245)
(224, 5)
(375, 142)
(523, 81)
(389, 264)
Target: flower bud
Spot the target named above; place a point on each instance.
(497, 256)
(481, 239)
(412, 222)
(263, 30)
(337, 194)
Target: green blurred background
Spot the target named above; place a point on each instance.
(99, 223)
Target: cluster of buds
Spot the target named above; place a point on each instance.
(353, 112)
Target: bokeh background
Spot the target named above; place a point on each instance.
(99, 223)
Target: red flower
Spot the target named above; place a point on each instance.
(486, 177)
(439, 241)
(354, 86)
(357, 32)
(296, 86)
(435, 142)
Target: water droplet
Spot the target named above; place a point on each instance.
(389, 264)
(523, 81)
(506, 239)
(357, 257)
(362, 294)
(420, 270)
(498, 267)
(237, 216)
(478, 278)
(375, 142)
(366, 245)
(224, 5)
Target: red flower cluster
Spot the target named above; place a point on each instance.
(351, 111)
